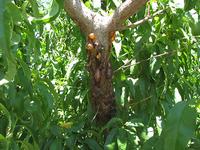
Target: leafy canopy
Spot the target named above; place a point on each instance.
(44, 83)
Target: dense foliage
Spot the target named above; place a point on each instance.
(44, 83)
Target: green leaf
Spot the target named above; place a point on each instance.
(117, 44)
(196, 28)
(10, 74)
(189, 4)
(179, 127)
(96, 3)
(15, 13)
(150, 143)
(22, 76)
(5, 40)
(53, 12)
(3, 81)
(15, 38)
(110, 143)
(4, 26)
(130, 82)
(7, 114)
(154, 65)
(70, 67)
(122, 139)
(26, 69)
(34, 6)
(31, 106)
(26, 145)
(4, 143)
(71, 141)
(56, 144)
(142, 87)
(43, 90)
(114, 122)
(117, 2)
(92, 144)
(88, 4)
(55, 130)
(179, 3)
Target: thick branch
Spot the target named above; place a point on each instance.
(125, 10)
(81, 15)
(133, 25)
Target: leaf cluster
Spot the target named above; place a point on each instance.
(45, 89)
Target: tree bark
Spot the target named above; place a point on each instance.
(98, 49)
(102, 94)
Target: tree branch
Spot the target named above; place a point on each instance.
(128, 64)
(125, 10)
(133, 25)
(80, 14)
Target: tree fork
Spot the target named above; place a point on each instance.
(100, 30)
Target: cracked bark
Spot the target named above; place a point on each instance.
(99, 66)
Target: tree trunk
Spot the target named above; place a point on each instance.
(99, 66)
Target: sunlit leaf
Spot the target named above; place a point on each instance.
(15, 13)
(53, 12)
(66, 124)
(117, 2)
(3, 81)
(179, 127)
(117, 44)
(4, 143)
(96, 3)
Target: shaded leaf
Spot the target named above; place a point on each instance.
(92, 144)
(110, 143)
(122, 139)
(7, 114)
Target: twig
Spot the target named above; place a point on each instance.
(95, 115)
(156, 56)
(133, 25)
(141, 101)
(148, 11)
(133, 104)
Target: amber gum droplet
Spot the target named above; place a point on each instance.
(90, 46)
(92, 36)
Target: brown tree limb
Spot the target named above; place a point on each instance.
(125, 10)
(133, 25)
(80, 14)
(89, 21)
